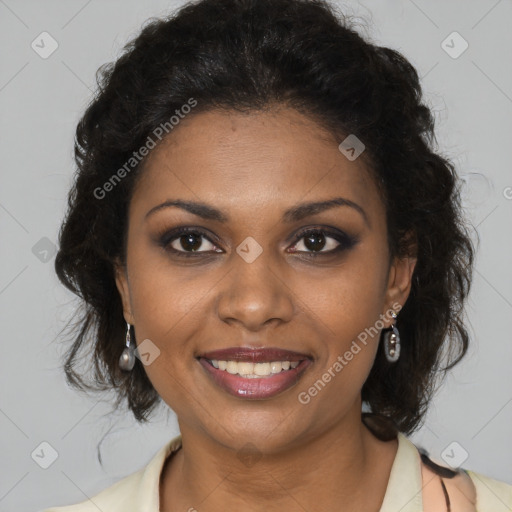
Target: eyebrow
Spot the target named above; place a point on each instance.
(293, 214)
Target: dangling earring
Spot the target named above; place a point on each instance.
(392, 342)
(127, 359)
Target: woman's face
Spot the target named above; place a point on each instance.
(246, 277)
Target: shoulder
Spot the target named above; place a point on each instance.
(135, 492)
(119, 496)
(492, 495)
(443, 487)
(462, 490)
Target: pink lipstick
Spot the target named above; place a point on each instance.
(254, 373)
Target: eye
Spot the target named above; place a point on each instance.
(315, 240)
(187, 241)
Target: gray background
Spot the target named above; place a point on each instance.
(41, 101)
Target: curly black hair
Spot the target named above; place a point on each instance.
(245, 56)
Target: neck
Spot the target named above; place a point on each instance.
(334, 470)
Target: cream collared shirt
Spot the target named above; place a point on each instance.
(411, 488)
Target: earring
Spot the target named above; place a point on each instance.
(127, 359)
(392, 342)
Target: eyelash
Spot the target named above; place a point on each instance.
(346, 241)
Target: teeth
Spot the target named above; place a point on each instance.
(232, 367)
(262, 368)
(245, 368)
(254, 370)
(276, 367)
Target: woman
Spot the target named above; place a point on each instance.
(264, 239)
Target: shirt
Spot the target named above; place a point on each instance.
(409, 483)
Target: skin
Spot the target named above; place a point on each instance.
(315, 456)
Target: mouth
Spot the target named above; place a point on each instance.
(254, 373)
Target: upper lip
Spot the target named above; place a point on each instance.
(254, 355)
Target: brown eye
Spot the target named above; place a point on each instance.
(316, 241)
(320, 241)
(187, 242)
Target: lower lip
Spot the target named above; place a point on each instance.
(255, 389)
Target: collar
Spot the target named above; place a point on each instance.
(403, 492)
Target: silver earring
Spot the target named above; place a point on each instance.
(392, 342)
(127, 359)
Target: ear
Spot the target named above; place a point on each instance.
(121, 277)
(400, 277)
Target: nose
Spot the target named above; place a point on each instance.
(254, 294)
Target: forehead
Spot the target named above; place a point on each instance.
(253, 162)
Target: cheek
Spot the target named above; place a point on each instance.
(347, 309)
(350, 298)
(164, 297)
(166, 313)
(166, 309)
(347, 348)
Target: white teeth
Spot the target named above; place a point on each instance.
(254, 370)
(232, 367)
(245, 368)
(276, 367)
(262, 368)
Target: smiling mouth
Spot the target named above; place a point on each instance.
(254, 370)
(254, 373)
